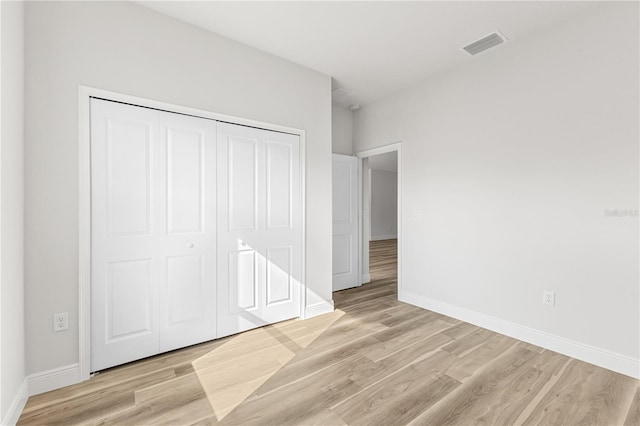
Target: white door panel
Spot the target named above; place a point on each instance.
(243, 171)
(259, 240)
(187, 283)
(243, 281)
(185, 289)
(128, 168)
(124, 297)
(185, 180)
(153, 232)
(279, 284)
(342, 251)
(279, 181)
(129, 311)
(345, 222)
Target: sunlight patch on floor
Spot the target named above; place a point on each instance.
(233, 371)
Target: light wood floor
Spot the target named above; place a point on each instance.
(374, 361)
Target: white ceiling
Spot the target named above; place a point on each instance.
(371, 48)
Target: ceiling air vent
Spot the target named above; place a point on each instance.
(484, 43)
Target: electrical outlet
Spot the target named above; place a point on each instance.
(549, 298)
(61, 321)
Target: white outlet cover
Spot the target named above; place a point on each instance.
(61, 321)
(549, 298)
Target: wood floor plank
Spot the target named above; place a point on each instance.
(401, 396)
(464, 405)
(315, 363)
(471, 341)
(633, 416)
(532, 348)
(208, 421)
(186, 404)
(305, 399)
(601, 395)
(459, 330)
(373, 361)
(339, 335)
(395, 332)
(364, 293)
(187, 383)
(138, 370)
(369, 306)
(399, 360)
(480, 357)
(513, 394)
(357, 292)
(378, 315)
(406, 315)
(405, 339)
(373, 297)
(93, 405)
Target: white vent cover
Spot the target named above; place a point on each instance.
(485, 43)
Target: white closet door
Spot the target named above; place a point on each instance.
(124, 263)
(345, 222)
(259, 228)
(153, 232)
(188, 276)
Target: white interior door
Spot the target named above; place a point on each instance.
(345, 222)
(259, 227)
(152, 232)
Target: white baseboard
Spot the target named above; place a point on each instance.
(17, 405)
(606, 359)
(383, 237)
(318, 309)
(54, 379)
(366, 278)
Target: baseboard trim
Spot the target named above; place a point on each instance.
(318, 309)
(366, 278)
(54, 379)
(383, 237)
(19, 401)
(602, 358)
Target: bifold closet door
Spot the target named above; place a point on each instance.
(259, 227)
(153, 232)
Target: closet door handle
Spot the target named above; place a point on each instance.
(190, 245)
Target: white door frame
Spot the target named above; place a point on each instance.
(84, 209)
(397, 146)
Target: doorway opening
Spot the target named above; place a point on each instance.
(380, 217)
(378, 226)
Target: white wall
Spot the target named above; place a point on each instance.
(341, 130)
(384, 204)
(509, 164)
(123, 47)
(12, 358)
